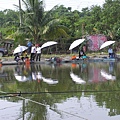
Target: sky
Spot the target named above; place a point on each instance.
(49, 4)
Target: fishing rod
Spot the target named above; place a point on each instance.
(57, 92)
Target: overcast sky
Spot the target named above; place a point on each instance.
(49, 4)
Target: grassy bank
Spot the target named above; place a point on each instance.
(68, 56)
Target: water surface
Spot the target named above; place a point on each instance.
(85, 91)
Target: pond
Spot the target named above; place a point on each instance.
(84, 91)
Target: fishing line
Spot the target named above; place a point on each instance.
(53, 109)
(62, 92)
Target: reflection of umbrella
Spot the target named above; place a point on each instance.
(21, 78)
(107, 76)
(49, 80)
(76, 43)
(20, 49)
(76, 79)
(107, 43)
(47, 44)
(39, 75)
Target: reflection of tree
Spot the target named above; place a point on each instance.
(64, 89)
(108, 98)
(6, 76)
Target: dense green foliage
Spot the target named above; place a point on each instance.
(61, 23)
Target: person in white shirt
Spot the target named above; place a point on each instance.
(38, 53)
(33, 52)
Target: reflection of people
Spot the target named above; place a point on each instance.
(17, 70)
(111, 65)
(83, 67)
(38, 53)
(110, 52)
(34, 76)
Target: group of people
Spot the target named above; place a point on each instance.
(33, 49)
(35, 52)
(82, 55)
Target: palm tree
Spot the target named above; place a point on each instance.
(37, 22)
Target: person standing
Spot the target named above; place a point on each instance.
(110, 52)
(33, 52)
(38, 53)
(29, 45)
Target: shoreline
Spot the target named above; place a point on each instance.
(66, 58)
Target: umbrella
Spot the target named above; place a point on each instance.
(107, 43)
(20, 49)
(76, 43)
(49, 80)
(21, 78)
(47, 44)
(107, 76)
(77, 79)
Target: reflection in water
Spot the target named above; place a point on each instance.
(9, 110)
(25, 73)
(49, 80)
(89, 105)
(88, 72)
(107, 76)
(31, 73)
(76, 79)
(111, 67)
(21, 78)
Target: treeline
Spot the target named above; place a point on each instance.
(60, 23)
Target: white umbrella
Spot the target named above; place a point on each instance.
(76, 43)
(47, 44)
(49, 81)
(21, 78)
(107, 76)
(107, 43)
(76, 79)
(20, 49)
